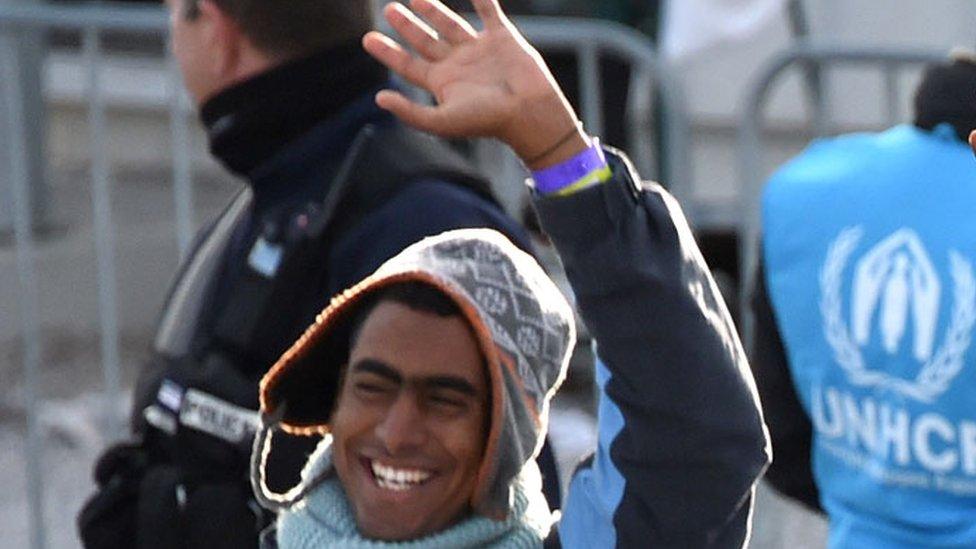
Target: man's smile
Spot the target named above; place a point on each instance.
(397, 479)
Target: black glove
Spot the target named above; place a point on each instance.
(108, 519)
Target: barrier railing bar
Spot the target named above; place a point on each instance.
(607, 36)
(640, 120)
(677, 154)
(589, 77)
(17, 130)
(104, 235)
(751, 121)
(116, 16)
(818, 82)
(892, 95)
(179, 147)
(813, 76)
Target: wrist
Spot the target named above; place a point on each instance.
(571, 144)
(546, 131)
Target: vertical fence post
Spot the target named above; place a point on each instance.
(813, 73)
(592, 94)
(179, 147)
(20, 174)
(892, 95)
(29, 48)
(640, 121)
(104, 234)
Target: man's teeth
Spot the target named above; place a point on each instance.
(398, 479)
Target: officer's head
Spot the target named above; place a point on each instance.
(410, 424)
(221, 42)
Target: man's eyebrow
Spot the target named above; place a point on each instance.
(375, 367)
(378, 368)
(453, 383)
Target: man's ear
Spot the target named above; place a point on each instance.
(224, 40)
(972, 141)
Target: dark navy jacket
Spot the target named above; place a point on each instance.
(681, 439)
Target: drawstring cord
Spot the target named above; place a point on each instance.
(269, 499)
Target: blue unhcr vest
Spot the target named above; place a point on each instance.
(870, 253)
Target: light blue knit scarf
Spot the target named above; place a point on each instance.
(323, 519)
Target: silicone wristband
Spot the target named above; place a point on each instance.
(587, 165)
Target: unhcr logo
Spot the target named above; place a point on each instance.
(895, 285)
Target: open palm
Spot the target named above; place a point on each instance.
(486, 83)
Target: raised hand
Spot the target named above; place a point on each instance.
(490, 83)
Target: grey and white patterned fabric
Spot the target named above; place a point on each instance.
(523, 309)
(523, 323)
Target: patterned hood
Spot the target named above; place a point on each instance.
(523, 324)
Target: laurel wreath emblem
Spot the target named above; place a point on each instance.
(946, 363)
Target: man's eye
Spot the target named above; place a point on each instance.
(446, 402)
(369, 388)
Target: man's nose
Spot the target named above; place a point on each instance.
(403, 429)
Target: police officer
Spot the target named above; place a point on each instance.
(334, 186)
(865, 307)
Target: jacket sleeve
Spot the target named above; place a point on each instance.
(791, 473)
(681, 435)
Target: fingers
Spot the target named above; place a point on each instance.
(451, 26)
(415, 32)
(422, 117)
(490, 13)
(397, 59)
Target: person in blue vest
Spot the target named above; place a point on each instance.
(865, 305)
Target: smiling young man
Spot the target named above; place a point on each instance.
(430, 415)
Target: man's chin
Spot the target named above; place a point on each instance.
(388, 527)
(388, 530)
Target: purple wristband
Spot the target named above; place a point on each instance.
(567, 172)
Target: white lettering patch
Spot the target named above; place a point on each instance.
(895, 446)
(216, 417)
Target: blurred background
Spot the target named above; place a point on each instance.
(104, 178)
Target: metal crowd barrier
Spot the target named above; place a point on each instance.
(587, 38)
(812, 59)
(16, 19)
